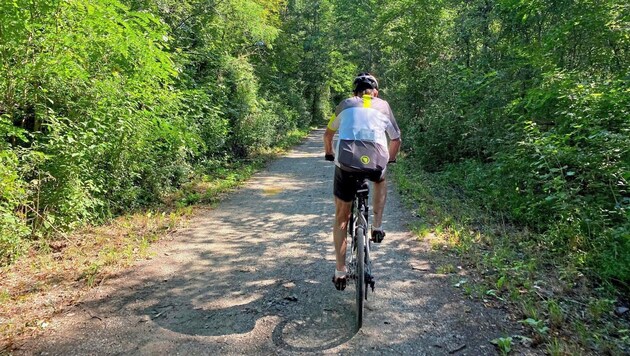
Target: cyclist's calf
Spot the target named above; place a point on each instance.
(378, 205)
(342, 213)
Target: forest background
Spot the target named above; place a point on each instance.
(523, 106)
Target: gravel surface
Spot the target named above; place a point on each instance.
(253, 276)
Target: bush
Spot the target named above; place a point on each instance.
(13, 227)
(569, 180)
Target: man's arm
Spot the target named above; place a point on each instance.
(328, 141)
(394, 147)
(393, 131)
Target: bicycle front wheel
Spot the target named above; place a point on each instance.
(360, 275)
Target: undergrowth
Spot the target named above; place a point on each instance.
(558, 299)
(58, 270)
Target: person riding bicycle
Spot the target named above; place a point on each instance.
(369, 138)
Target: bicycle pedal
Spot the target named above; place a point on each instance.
(369, 280)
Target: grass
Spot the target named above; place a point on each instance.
(58, 272)
(563, 310)
(503, 344)
(446, 269)
(53, 276)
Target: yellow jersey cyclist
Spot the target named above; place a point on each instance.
(368, 139)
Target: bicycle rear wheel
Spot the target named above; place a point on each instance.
(360, 275)
(367, 268)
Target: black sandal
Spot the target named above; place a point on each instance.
(339, 282)
(378, 236)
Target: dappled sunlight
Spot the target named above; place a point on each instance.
(258, 267)
(300, 155)
(233, 299)
(264, 283)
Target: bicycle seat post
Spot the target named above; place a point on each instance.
(363, 188)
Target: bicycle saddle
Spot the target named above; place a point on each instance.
(363, 188)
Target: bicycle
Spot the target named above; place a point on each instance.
(360, 265)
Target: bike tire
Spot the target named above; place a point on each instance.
(367, 265)
(360, 274)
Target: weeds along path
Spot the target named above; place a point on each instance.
(252, 276)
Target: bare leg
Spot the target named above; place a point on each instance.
(378, 202)
(342, 216)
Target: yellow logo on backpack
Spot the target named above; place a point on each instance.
(365, 159)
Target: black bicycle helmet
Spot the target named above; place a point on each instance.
(364, 81)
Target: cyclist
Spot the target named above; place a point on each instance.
(369, 138)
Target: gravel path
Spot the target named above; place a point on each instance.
(252, 276)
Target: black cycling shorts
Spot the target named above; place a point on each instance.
(345, 182)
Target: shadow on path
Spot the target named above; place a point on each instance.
(253, 276)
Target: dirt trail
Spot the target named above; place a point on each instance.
(252, 276)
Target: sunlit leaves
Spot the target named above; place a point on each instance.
(107, 105)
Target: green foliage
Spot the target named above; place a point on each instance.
(556, 314)
(523, 108)
(109, 105)
(524, 105)
(207, 119)
(13, 226)
(503, 344)
(537, 325)
(554, 348)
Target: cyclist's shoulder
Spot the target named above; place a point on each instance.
(380, 101)
(350, 101)
(354, 101)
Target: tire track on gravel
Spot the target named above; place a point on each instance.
(252, 276)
